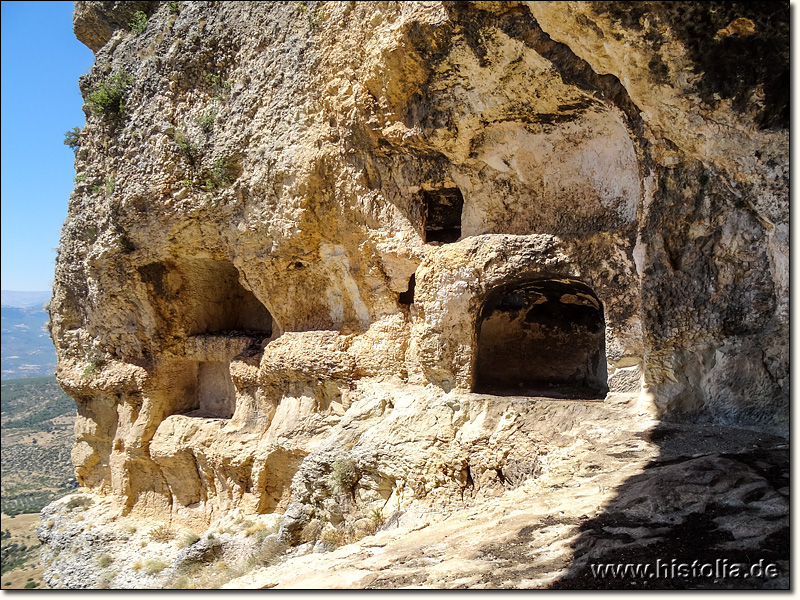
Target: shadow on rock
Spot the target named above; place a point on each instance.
(712, 512)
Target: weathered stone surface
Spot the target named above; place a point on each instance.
(277, 278)
(675, 494)
(96, 22)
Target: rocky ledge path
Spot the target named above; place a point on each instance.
(690, 506)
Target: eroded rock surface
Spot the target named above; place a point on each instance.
(671, 493)
(304, 235)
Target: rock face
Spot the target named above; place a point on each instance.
(314, 247)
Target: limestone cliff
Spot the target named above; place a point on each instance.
(323, 257)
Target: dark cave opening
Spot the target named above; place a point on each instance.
(204, 296)
(407, 298)
(541, 338)
(442, 215)
(221, 304)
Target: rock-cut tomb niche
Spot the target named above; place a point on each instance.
(541, 338)
(220, 319)
(442, 215)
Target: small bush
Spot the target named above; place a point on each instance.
(72, 138)
(206, 121)
(190, 566)
(198, 575)
(91, 367)
(192, 150)
(138, 23)
(104, 560)
(106, 188)
(311, 531)
(108, 99)
(188, 539)
(162, 533)
(335, 537)
(174, 7)
(95, 358)
(343, 475)
(79, 501)
(377, 518)
(261, 534)
(137, 565)
(221, 86)
(251, 528)
(154, 565)
(270, 553)
(31, 585)
(219, 175)
(350, 532)
(314, 19)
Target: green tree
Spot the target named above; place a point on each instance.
(72, 138)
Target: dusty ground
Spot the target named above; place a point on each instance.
(22, 528)
(672, 493)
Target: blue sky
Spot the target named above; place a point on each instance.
(41, 63)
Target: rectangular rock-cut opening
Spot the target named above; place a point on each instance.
(200, 388)
(442, 215)
(542, 338)
(216, 394)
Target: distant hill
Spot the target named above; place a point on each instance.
(38, 421)
(27, 350)
(24, 299)
(32, 402)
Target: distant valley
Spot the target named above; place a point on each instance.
(38, 421)
(27, 350)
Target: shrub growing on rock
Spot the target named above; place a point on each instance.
(108, 99)
(79, 502)
(138, 23)
(344, 475)
(162, 533)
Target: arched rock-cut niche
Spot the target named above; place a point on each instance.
(542, 338)
(204, 296)
(219, 318)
